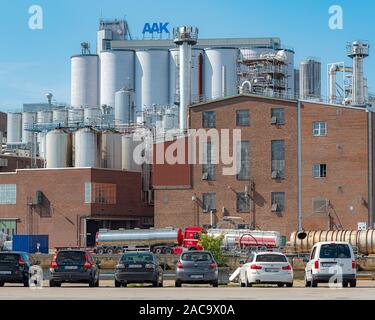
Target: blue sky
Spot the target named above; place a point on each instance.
(33, 62)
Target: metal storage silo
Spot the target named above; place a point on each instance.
(111, 150)
(60, 117)
(58, 149)
(44, 117)
(151, 78)
(41, 141)
(124, 107)
(75, 116)
(86, 148)
(84, 80)
(92, 115)
(14, 128)
(310, 79)
(116, 71)
(128, 147)
(28, 120)
(220, 72)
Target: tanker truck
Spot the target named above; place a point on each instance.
(159, 241)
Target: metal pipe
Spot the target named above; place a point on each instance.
(332, 83)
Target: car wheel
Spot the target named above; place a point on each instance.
(124, 284)
(100, 251)
(289, 285)
(314, 284)
(1, 284)
(26, 283)
(280, 285)
(155, 284)
(307, 283)
(117, 284)
(158, 250)
(178, 284)
(215, 284)
(97, 283)
(92, 283)
(110, 251)
(249, 284)
(353, 283)
(168, 251)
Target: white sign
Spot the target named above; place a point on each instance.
(362, 226)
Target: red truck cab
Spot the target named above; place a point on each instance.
(192, 235)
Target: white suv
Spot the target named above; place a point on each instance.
(331, 262)
(266, 268)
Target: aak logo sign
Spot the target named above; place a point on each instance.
(156, 27)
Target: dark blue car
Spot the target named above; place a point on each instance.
(14, 268)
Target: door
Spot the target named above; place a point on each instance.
(8, 227)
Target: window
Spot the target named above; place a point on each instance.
(8, 227)
(278, 116)
(319, 129)
(243, 118)
(278, 159)
(209, 119)
(319, 170)
(209, 202)
(243, 160)
(8, 194)
(3, 162)
(209, 160)
(100, 193)
(107, 45)
(243, 202)
(278, 201)
(320, 205)
(335, 251)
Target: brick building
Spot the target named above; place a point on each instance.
(333, 168)
(71, 205)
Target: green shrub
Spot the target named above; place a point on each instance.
(213, 244)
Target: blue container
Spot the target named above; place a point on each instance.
(29, 243)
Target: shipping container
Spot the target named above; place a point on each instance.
(30, 243)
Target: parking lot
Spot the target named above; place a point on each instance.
(106, 291)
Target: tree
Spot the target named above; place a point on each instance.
(213, 244)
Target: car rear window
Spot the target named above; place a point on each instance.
(71, 257)
(9, 258)
(137, 257)
(335, 251)
(196, 256)
(271, 258)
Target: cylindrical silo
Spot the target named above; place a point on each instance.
(111, 150)
(28, 121)
(124, 107)
(41, 141)
(130, 161)
(75, 116)
(310, 79)
(151, 78)
(85, 80)
(44, 117)
(116, 72)
(58, 149)
(220, 72)
(92, 115)
(86, 148)
(14, 128)
(60, 117)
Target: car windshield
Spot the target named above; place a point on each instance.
(8, 258)
(196, 256)
(271, 258)
(137, 257)
(71, 257)
(335, 251)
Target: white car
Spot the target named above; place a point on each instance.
(266, 268)
(331, 262)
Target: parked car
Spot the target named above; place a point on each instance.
(266, 268)
(74, 266)
(197, 267)
(14, 268)
(138, 267)
(331, 261)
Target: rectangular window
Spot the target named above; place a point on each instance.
(278, 159)
(8, 194)
(319, 170)
(319, 129)
(100, 193)
(209, 202)
(209, 161)
(243, 118)
(243, 202)
(278, 201)
(8, 227)
(243, 160)
(278, 116)
(209, 119)
(320, 205)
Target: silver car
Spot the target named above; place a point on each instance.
(197, 267)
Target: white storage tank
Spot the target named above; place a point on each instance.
(116, 71)
(28, 121)
(59, 149)
(84, 80)
(60, 117)
(14, 128)
(44, 117)
(75, 116)
(86, 148)
(124, 107)
(128, 147)
(220, 72)
(111, 150)
(151, 78)
(41, 141)
(92, 115)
